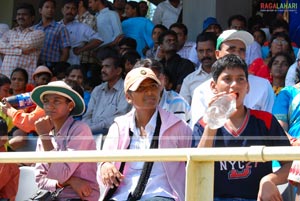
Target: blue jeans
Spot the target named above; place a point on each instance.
(233, 199)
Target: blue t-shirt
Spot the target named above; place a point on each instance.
(240, 179)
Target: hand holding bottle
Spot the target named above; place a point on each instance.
(219, 110)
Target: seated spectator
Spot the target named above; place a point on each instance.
(157, 30)
(9, 172)
(184, 46)
(287, 109)
(41, 76)
(4, 92)
(176, 66)
(170, 100)
(205, 47)
(129, 59)
(19, 80)
(259, 36)
(293, 74)
(253, 50)
(58, 131)
(125, 44)
(146, 126)
(75, 73)
(108, 99)
(245, 127)
(277, 26)
(260, 96)
(211, 24)
(279, 65)
(279, 43)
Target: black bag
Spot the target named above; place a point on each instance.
(45, 195)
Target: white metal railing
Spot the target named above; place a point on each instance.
(200, 161)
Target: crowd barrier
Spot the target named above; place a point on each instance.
(199, 161)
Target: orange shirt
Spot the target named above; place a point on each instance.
(25, 121)
(9, 174)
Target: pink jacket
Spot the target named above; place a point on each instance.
(174, 133)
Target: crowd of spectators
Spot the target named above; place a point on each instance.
(106, 69)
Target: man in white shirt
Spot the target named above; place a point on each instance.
(82, 36)
(167, 12)
(205, 47)
(260, 96)
(108, 22)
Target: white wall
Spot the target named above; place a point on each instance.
(196, 11)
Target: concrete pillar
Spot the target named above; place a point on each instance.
(196, 11)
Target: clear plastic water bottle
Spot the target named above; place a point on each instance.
(20, 101)
(217, 114)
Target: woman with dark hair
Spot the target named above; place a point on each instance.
(76, 74)
(280, 42)
(279, 65)
(19, 80)
(287, 111)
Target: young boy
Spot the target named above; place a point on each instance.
(58, 131)
(9, 172)
(245, 127)
(42, 75)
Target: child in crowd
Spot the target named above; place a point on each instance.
(9, 172)
(245, 127)
(42, 75)
(58, 131)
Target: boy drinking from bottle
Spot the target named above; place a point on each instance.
(242, 180)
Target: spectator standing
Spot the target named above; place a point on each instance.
(57, 40)
(84, 16)
(206, 47)
(108, 22)
(82, 37)
(136, 27)
(22, 45)
(119, 6)
(108, 99)
(87, 58)
(167, 12)
(146, 126)
(143, 8)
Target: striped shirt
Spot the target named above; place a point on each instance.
(56, 39)
(11, 45)
(89, 19)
